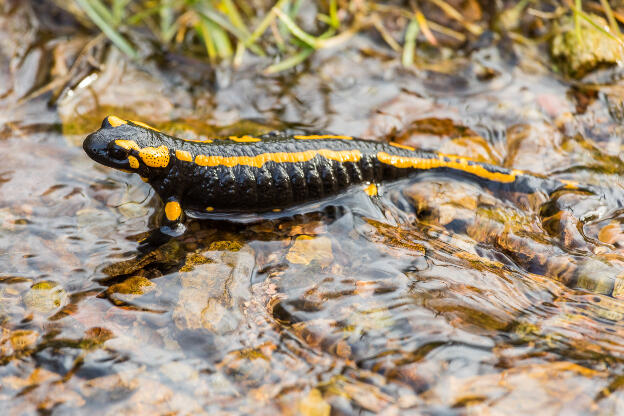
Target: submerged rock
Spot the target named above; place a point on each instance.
(305, 249)
(314, 405)
(45, 297)
(166, 255)
(215, 284)
(598, 277)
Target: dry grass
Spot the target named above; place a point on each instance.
(225, 29)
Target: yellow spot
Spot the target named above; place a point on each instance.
(371, 190)
(134, 163)
(147, 126)
(126, 171)
(244, 139)
(197, 140)
(277, 210)
(281, 157)
(322, 136)
(127, 144)
(155, 157)
(209, 209)
(402, 146)
(115, 121)
(144, 179)
(445, 161)
(569, 184)
(173, 210)
(184, 155)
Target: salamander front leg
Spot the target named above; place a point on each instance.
(171, 226)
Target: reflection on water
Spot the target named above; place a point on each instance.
(438, 297)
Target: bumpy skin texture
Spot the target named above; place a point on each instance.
(275, 171)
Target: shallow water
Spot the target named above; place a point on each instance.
(439, 297)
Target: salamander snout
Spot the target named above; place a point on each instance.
(101, 147)
(95, 146)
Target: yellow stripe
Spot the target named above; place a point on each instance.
(184, 155)
(445, 161)
(196, 140)
(324, 136)
(244, 139)
(127, 144)
(402, 146)
(115, 121)
(281, 157)
(147, 126)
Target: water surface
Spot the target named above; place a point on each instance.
(438, 297)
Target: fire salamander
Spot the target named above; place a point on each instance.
(247, 174)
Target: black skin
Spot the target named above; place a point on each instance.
(242, 189)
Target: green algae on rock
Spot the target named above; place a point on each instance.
(45, 297)
(595, 48)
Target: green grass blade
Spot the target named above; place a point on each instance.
(119, 10)
(232, 13)
(609, 13)
(591, 21)
(238, 55)
(166, 23)
(332, 18)
(219, 19)
(294, 10)
(136, 18)
(291, 8)
(262, 27)
(385, 34)
(102, 11)
(264, 24)
(333, 14)
(296, 30)
(289, 62)
(287, 8)
(114, 36)
(221, 40)
(225, 24)
(411, 33)
(577, 22)
(204, 31)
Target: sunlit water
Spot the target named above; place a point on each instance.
(438, 297)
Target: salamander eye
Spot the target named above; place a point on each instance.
(118, 153)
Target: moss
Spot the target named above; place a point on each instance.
(595, 48)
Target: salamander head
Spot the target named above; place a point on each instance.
(127, 145)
